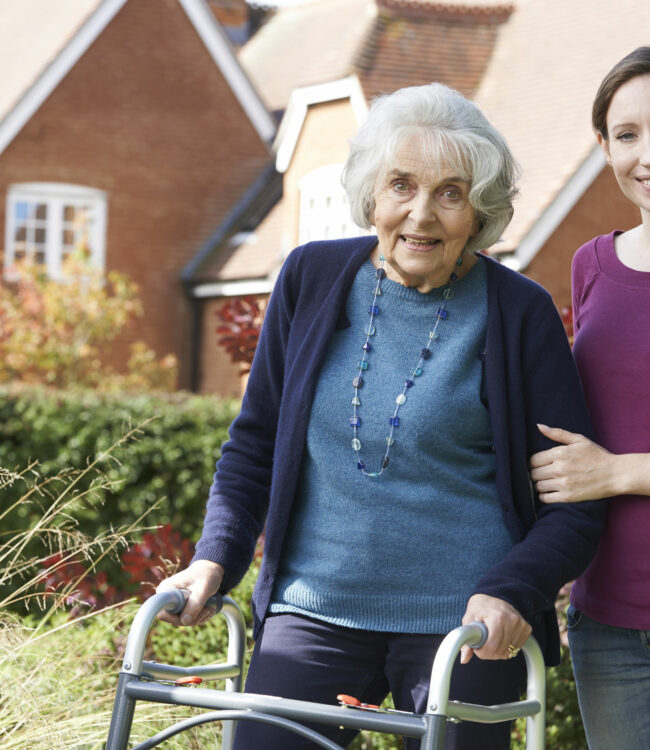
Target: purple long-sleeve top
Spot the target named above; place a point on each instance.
(611, 305)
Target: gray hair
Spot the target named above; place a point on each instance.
(449, 128)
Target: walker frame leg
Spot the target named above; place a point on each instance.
(122, 717)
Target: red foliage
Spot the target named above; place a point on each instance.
(83, 590)
(157, 556)
(146, 563)
(240, 329)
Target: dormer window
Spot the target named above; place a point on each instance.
(47, 221)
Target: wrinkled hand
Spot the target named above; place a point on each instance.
(574, 471)
(202, 579)
(506, 627)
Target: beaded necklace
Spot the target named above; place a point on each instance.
(416, 372)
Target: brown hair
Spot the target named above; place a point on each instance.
(635, 64)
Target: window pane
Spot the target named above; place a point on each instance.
(30, 234)
(47, 227)
(77, 216)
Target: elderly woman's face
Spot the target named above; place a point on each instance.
(423, 219)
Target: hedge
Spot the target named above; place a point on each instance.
(169, 459)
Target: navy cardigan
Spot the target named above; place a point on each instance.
(528, 377)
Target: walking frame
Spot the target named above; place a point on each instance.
(141, 680)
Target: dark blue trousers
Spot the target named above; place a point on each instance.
(298, 657)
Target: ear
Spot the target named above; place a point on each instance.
(604, 144)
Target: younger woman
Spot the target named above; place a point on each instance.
(609, 616)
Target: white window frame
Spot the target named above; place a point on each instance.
(56, 196)
(324, 210)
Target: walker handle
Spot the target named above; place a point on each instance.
(483, 638)
(176, 606)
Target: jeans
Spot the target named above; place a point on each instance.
(299, 657)
(612, 671)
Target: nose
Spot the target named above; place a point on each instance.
(423, 209)
(645, 150)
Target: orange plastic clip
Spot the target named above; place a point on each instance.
(188, 681)
(350, 700)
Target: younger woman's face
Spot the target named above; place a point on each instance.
(627, 147)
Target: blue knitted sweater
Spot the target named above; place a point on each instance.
(345, 560)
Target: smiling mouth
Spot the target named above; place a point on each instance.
(419, 242)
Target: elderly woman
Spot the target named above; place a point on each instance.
(384, 437)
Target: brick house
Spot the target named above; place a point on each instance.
(137, 113)
(532, 66)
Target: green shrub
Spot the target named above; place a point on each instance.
(563, 723)
(170, 460)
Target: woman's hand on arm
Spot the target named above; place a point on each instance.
(202, 579)
(506, 627)
(579, 469)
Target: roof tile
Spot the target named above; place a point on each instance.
(409, 51)
(303, 45)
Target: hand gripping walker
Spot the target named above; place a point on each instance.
(163, 683)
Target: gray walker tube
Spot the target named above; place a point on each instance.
(137, 681)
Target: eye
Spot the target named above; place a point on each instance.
(627, 135)
(400, 186)
(451, 194)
